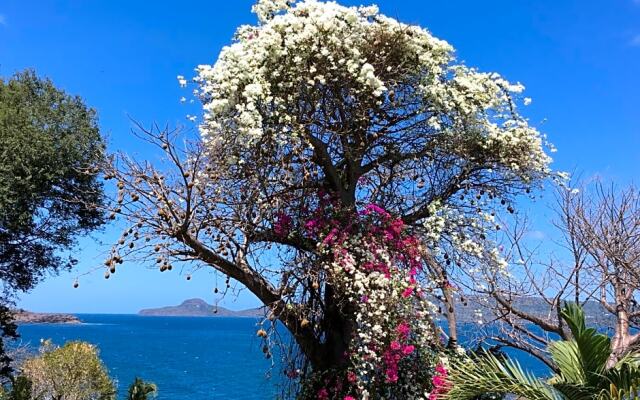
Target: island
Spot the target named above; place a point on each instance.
(28, 317)
(200, 308)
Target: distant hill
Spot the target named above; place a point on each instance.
(594, 311)
(199, 308)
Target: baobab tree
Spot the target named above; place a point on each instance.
(597, 268)
(348, 169)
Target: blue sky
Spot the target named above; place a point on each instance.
(580, 62)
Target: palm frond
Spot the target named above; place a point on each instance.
(582, 363)
(592, 349)
(488, 374)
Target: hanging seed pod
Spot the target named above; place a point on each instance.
(76, 284)
(261, 333)
(112, 269)
(107, 275)
(188, 277)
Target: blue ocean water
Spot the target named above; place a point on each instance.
(187, 357)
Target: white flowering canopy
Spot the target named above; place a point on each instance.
(347, 100)
(317, 68)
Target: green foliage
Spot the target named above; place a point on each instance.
(20, 389)
(50, 147)
(141, 390)
(582, 362)
(500, 355)
(71, 372)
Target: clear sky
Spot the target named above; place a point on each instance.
(579, 59)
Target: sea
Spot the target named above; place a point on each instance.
(194, 358)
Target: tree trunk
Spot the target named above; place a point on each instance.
(622, 338)
(451, 317)
(339, 327)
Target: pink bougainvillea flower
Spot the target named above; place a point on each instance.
(407, 292)
(440, 369)
(369, 208)
(323, 394)
(403, 330)
(392, 375)
(408, 349)
(282, 226)
(330, 237)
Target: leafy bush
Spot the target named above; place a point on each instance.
(71, 372)
(141, 390)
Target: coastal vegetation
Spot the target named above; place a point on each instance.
(71, 372)
(141, 390)
(50, 191)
